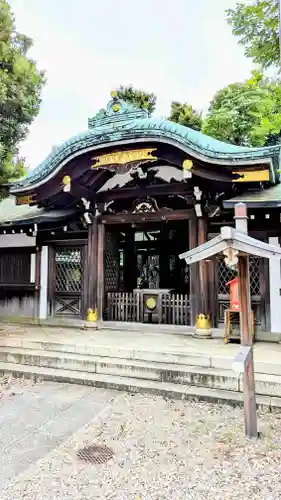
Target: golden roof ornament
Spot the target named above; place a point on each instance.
(66, 182)
(187, 165)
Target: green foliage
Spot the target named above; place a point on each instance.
(257, 27)
(20, 88)
(246, 114)
(185, 115)
(138, 98)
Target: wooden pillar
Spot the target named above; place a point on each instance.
(245, 300)
(164, 258)
(45, 280)
(91, 271)
(193, 274)
(130, 279)
(203, 325)
(250, 407)
(37, 280)
(203, 272)
(212, 290)
(100, 271)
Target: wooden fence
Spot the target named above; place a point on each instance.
(172, 309)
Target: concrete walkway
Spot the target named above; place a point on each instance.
(35, 419)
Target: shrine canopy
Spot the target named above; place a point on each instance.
(121, 137)
(230, 242)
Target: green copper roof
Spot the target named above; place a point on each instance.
(12, 214)
(121, 121)
(270, 197)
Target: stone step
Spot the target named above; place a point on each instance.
(141, 369)
(133, 385)
(270, 365)
(225, 379)
(87, 348)
(147, 328)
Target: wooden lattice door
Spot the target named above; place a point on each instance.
(68, 281)
(111, 261)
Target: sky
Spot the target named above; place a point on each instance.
(181, 50)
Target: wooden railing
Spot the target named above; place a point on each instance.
(122, 306)
(173, 309)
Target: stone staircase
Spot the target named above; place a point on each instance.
(171, 374)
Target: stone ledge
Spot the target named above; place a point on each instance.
(166, 389)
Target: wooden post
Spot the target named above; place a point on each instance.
(250, 407)
(47, 281)
(91, 269)
(245, 301)
(203, 324)
(100, 271)
(243, 363)
(193, 274)
(203, 275)
(37, 280)
(129, 261)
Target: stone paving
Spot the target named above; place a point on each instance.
(35, 418)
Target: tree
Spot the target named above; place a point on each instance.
(20, 88)
(185, 115)
(138, 98)
(257, 27)
(247, 113)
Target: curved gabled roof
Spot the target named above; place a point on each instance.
(121, 122)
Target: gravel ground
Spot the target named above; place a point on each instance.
(163, 449)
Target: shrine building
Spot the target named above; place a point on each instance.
(96, 230)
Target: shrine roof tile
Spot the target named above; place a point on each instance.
(121, 121)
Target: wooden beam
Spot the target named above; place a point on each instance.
(140, 191)
(77, 191)
(129, 218)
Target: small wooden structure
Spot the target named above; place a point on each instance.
(236, 247)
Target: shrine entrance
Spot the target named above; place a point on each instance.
(145, 281)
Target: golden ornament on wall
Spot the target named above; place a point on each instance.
(124, 157)
(151, 303)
